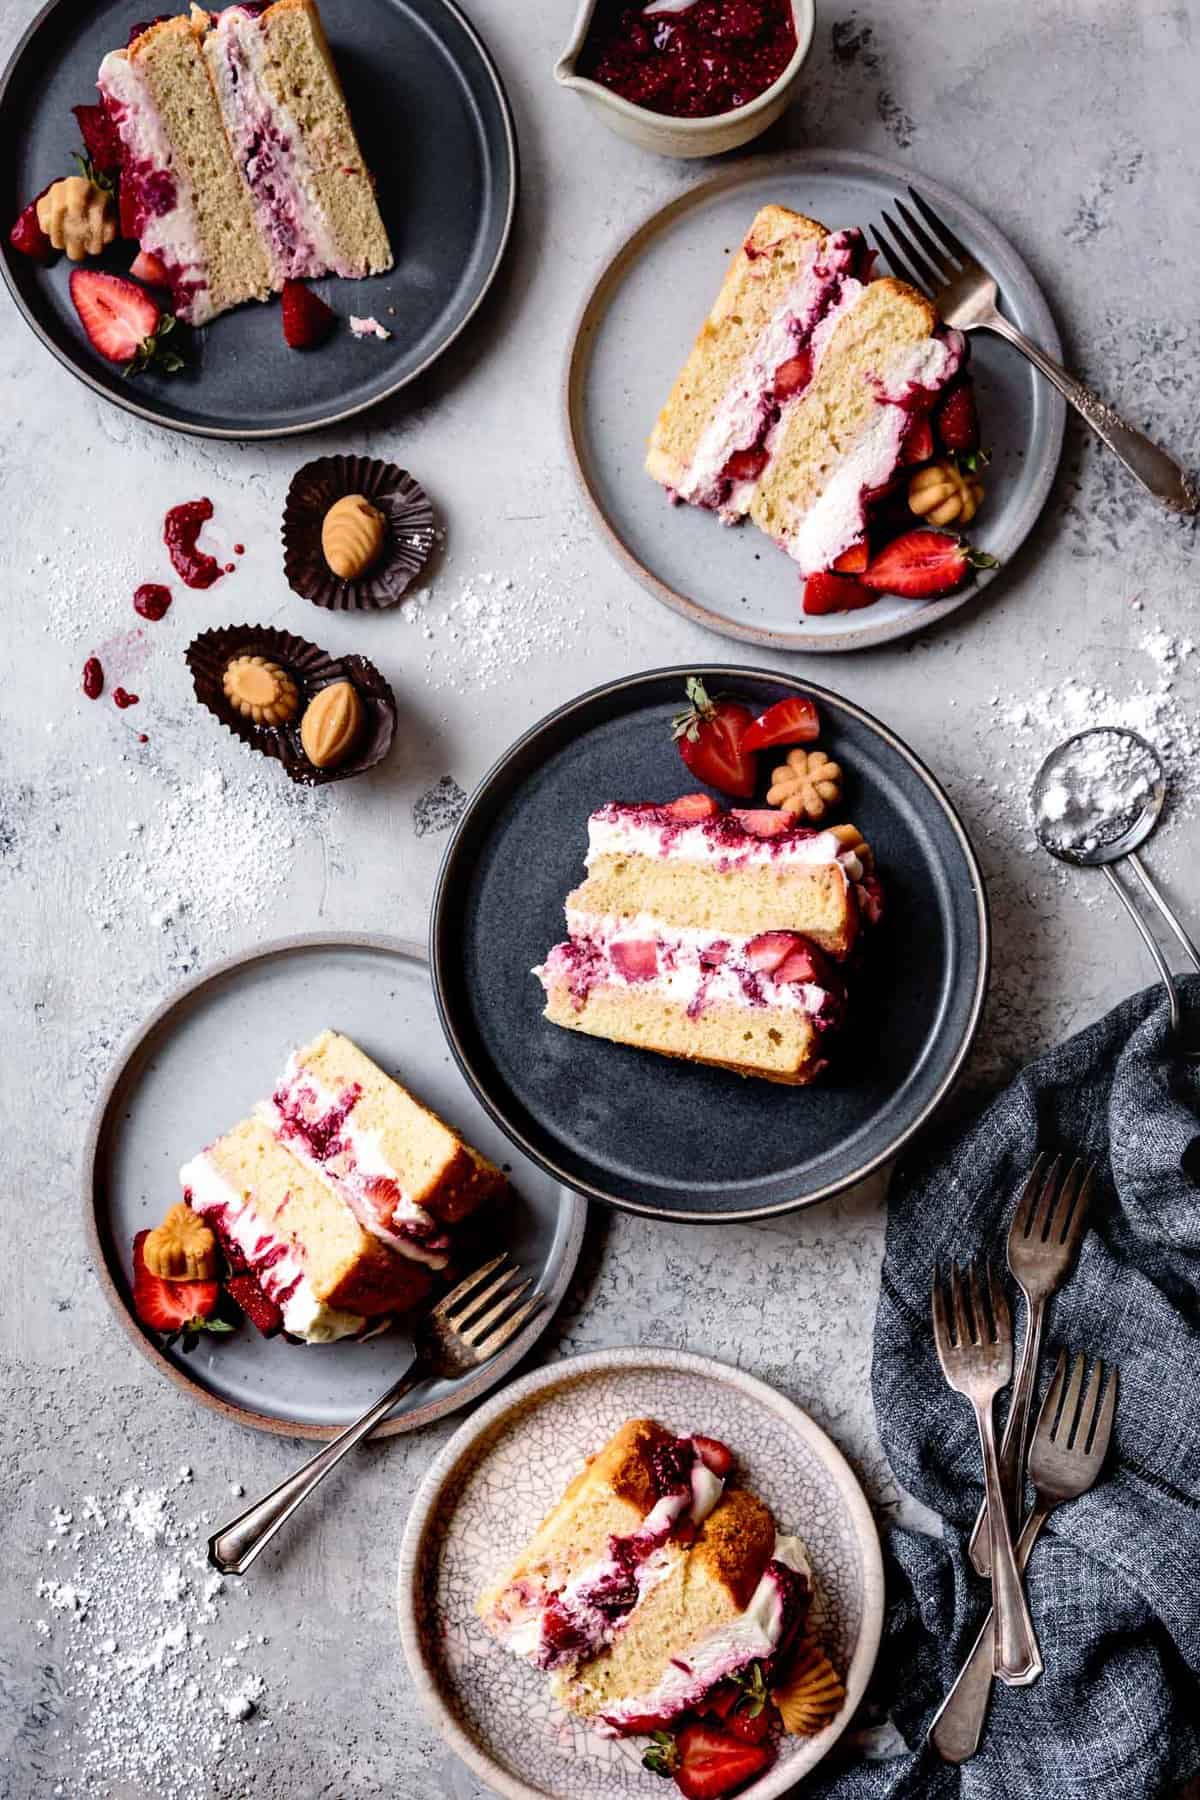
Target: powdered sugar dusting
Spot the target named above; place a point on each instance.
(481, 629)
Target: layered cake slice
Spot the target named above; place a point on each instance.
(403, 1173)
(801, 388)
(284, 1226)
(710, 935)
(650, 1583)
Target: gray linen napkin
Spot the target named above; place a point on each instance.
(1115, 1582)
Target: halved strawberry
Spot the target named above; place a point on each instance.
(790, 721)
(854, 560)
(721, 1702)
(709, 736)
(714, 1455)
(635, 958)
(258, 1307)
(919, 564)
(101, 145)
(28, 237)
(805, 963)
(764, 821)
(712, 1763)
(744, 465)
(792, 376)
(692, 807)
(829, 593)
(918, 444)
(171, 1306)
(151, 269)
(955, 417)
(307, 321)
(771, 948)
(122, 321)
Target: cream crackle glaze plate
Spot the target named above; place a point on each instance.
(500, 1474)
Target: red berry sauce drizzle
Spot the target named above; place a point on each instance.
(181, 529)
(713, 56)
(93, 678)
(151, 600)
(123, 699)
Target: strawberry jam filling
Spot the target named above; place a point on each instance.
(693, 61)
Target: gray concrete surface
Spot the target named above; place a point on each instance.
(1069, 125)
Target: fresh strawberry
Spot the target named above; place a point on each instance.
(771, 948)
(956, 418)
(101, 145)
(712, 1763)
(829, 593)
(744, 465)
(721, 1702)
(893, 485)
(764, 821)
(918, 444)
(790, 721)
(794, 375)
(307, 321)
(175, 1307)
(854, 560)
(709, 736)
(149, 268)
(749, 1725)
(693, 806)
(635, 958)
(806, 963)
(919, 564)
(258, 1307)
(122, 321)
(714, 1455)
(28, 237)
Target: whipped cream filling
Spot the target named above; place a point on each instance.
(270, 152)
(274, 1260)
(318, 1126)
(753, 1636)
(749, 405)
(837, 518)
(168, 223)
(616, 830)
(694, 968)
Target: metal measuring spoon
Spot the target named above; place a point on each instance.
(1096, 797)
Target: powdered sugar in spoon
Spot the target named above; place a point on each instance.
(1096, 797)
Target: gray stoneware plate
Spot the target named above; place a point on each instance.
(636, 328)
(437, 132)
(650, 1133)
(500, 1474)
(197, 1066)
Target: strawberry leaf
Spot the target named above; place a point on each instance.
(90, 172)
(754, 1690)
(663, 1757)
(152, 354)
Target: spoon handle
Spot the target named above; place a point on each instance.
(1172, 918)
(1148, 939)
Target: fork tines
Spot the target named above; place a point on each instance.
(1053, 1207)
(974, 1318)
(473, 1312)
(917, 256)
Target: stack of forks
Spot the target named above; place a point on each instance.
(972, 1326)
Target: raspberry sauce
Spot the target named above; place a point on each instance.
(712, 57)
(181, 530)
(123, 699)
(151, 600)
(93, 678)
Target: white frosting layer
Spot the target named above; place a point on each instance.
(304, 1315)
(347, 1173)
(751, 1637)
(634, 834)
(173, 235)
(686, 978)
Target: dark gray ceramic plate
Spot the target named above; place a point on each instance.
(436, 129)
(672, 1138)
(630, 342)
(197, 1066)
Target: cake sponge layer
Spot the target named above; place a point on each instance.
(763, 1041)
(816, 900)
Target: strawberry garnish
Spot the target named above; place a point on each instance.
(955, 417)
(744, 465)
(706, 1762)
(764, 821)
(790, 721)
(709, 736)
(635, 958)
(178, 1308)
(721, 1702)
(28, 237)
(829, 593)
(258, 1307)
(307, 321)
(690, 807)
(919, 564)
(751, 1727)
(854, 560)
(101, 145)
(918, 445)
(151, 269)
(715, 1455)
(123, 322)
(794, 375)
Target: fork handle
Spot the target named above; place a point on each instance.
(235, 1546)
(1015, 1442)
(958, 1724)
(1017, 1658)
(1158, 473)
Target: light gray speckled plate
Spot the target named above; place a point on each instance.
(499, 1475)
(197, 1066)
(636, 328)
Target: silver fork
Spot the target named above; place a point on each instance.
(974, 1346)
(1065, 1458)
(1043, 1242)
(965, 296)
(464, 1329)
